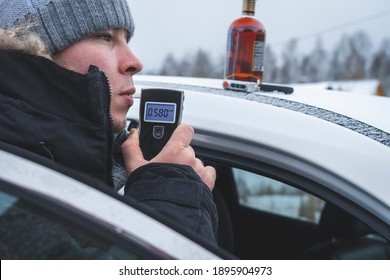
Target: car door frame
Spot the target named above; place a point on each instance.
(290, 169)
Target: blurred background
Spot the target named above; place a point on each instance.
(344, 44)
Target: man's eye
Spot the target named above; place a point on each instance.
(105, 37)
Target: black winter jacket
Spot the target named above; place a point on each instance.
(65, 116)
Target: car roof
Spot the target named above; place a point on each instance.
(344, 133)
(371, 110)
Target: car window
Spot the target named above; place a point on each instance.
(266, 194)
(28, 231)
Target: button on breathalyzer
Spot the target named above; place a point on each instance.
(160, 114)
(158, 131)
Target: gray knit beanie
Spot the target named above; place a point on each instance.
(61, 23)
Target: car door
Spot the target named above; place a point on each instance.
(274, 200)
(34, 228)
(46, 214)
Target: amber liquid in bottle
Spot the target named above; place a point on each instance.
(245, 47)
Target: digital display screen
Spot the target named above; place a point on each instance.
(160, 112)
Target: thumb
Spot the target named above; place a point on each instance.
(178, 149)
(182, 136)
(132, 153)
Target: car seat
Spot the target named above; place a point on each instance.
(346, 238)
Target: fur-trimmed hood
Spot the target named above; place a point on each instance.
(20, 39)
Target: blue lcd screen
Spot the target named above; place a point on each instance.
(160, 112)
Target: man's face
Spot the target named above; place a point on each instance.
(109, 51)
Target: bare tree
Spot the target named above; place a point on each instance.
(350, 57)
(270, 66)
(290, 68)
(314, 66)
(360, 50)
(169, 66)
(380, 66)
(202, 66)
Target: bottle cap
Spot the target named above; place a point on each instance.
(248, 7)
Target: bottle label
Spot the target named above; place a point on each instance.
(258, 56)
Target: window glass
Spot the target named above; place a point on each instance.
(263, 193)
(31, 232)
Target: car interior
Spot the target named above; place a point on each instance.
(346, 238)
(251, 233)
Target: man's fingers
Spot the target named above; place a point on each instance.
(209, 177)
(182, 135)
(177, 150)
(132, 153)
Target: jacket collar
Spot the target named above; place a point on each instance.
(67, 111)
(52, 88)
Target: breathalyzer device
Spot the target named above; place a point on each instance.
(160, 114)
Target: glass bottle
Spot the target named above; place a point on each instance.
(245, 47)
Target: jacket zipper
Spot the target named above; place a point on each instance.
(109, 126)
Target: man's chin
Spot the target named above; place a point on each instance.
(119, 126)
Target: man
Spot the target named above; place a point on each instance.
(76, 106)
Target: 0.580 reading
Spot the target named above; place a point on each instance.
(160, 112)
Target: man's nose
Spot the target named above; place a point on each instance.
(130, 63)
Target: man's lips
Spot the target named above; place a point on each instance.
(129, 91)
(128, 96)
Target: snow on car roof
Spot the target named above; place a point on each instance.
(367, 115)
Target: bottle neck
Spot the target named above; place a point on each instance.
(248, 7)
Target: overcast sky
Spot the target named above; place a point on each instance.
(184, 26)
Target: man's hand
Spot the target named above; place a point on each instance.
(177, 151)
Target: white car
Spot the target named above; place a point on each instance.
(299, 176)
